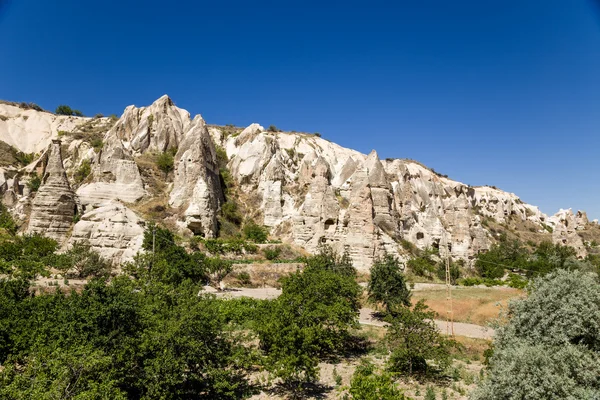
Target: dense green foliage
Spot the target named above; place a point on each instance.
(309, 321)
(387, 284)
(550, 347)
(6, 220)
(543, 259)
(34, 183)
(423, 264)
(366, 384)
(27, 256)
(327, 259)
(82, 172)
(165, 162)
(255, 232)
(66, 110)
(415, 341)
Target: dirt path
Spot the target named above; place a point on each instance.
(366, 318)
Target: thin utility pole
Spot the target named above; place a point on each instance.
(449, 316)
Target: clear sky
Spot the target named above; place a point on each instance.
(497, 92)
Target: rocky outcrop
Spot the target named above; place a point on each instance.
(113, 230)
(307, 190)
(158, 128)
(566, 226)
(196, 187)
(115, 175)
(31, 131)
(54, 205)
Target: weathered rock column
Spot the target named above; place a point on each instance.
(54, 205)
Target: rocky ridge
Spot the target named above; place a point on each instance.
(307, 190)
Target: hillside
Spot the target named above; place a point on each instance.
(159, 163)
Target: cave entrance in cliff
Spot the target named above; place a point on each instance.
(329, 225)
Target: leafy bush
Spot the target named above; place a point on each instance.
(273, 128)
(368, 385)
(97, 144)
(415, 341)
(34, 183)
(6, 220)
(84, 261)
(328, 260)
(165, 162)
(66, 110)
(84, 170)
(550, 347)
(422, 265)
(255, 232)
(271, 253)
(454, 271)
(230, 212)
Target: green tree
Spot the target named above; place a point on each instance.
(505, 254)
(165, 162)
(327, 259)
(75, 373)
(310, 320)
(388, 284)
(550, 347)
(415, 342)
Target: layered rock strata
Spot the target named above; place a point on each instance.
(54, 205)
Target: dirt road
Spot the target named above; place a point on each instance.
(366, 318)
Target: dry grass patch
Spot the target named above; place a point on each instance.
(469, 304)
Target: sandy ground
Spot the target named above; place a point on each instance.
(366, 318)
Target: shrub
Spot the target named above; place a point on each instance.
(84, 170)
(454, 271)
(271, 253)
(550, 347)
(34, 183)
(97, 144)
(230, 212)
(422, 266)
(255, 232)
(6, 220)
(415, 341)
(367, 385)
(165, 162)
(66, 110)
(273, 128)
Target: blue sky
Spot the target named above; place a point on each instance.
(499, 92)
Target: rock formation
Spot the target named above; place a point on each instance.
(196, 188)
(54, 205)
(113, 230)
(307, 190)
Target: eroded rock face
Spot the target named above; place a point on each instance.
(305, 189)
(113, 230)
(197, 188)
(31, 131)
(115, 176)
(54, 205)
(158, 127)
(566, 224)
